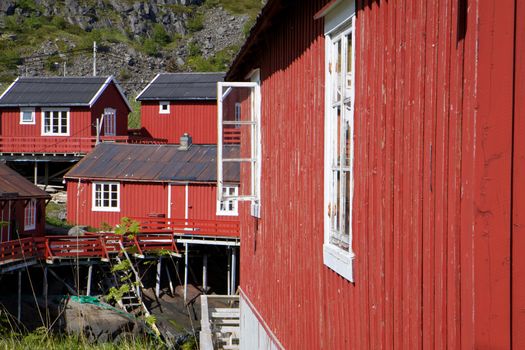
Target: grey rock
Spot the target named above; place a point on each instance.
(77, 231)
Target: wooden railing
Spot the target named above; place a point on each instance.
(231, 136)
(18, 249)
(65, 144)
(223, 228)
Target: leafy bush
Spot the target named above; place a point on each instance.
(159, 35)
(150, 47)
(196, 23)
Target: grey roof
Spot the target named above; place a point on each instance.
(155, 163)
(182, 86)
(55, 91)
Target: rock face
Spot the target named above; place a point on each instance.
(99, 324)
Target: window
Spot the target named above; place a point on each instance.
(248, 157)
(339, 124)
(237, 113)
(164, 107)
(110, 122)
(228, 205)
(106, 196)
(55, 122)
(27, 116)
(30, 215)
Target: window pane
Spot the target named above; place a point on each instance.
(349, 68)
(336, 73)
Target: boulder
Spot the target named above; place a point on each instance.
(77, 231)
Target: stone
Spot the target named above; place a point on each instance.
(77, 231)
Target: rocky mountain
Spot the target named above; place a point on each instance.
(135, 39)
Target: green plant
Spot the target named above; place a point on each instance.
(159, 35)
(127, 226)
(196, 23)
(150, 47)
(116, 294)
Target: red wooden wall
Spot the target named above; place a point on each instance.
(111, 98)
(17, 219)
(198, 118)
(141, 200)
(437, 217)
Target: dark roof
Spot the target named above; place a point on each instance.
(182, 86)
(155, 163)
(56, 91)
(13, 185)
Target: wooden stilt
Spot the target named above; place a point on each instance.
(36, 173)
(228, 273)
(157, 284)
(45, 286)
(204, 273)
(19, 313)
(185, 271)
(169, 280)
(90, 275)
(46, 175)
(234, 270)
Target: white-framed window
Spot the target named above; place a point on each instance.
(237, 113)
(55, 122)
(164, 107)
(339, 145)
(106, 196)
(110, 122)
(30, 215)
(27, 116)
(228, 205)
(249, 123)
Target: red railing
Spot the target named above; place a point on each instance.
(65, 144)
(231, 136)
(19, 249)
(223, 228)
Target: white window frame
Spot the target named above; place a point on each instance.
(161, 109)
(55, 110)
(229, 194)
(336, 257)
(33, 119)
(255, 160)
(110, 121)
(102, 207)
(30, 215)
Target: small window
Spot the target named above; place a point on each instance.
(228, 206)
(164, 107)
(27, 116)
(106, 196)
(110, 122)
(55, 122)
(30, 215)
(237, 114)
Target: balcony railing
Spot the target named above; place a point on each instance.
(198, 227)
(64, 144)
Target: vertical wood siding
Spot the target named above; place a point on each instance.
(435, 106)
(17, 219)
(111, 98)
(198, 118)
(141, 200)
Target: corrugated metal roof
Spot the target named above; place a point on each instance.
(155, 163)
(15, 185)
(182, 86)
(55, 91)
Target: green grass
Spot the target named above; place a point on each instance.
(134, 117)
(217, 63)
(238, 7)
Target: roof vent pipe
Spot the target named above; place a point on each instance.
(185, 142)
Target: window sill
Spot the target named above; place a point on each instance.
(55, 134)
(29, 228)
(338, 261)
(106, 209)
(226, 213)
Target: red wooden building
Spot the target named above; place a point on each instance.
(22, 206)
(176, 103)
(383, 182)
(168, 182)
(59, 115)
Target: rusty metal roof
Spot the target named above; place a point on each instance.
(15, 186)
(155, 163)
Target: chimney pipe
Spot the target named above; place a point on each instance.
(185, 142)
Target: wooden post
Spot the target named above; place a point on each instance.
(90, 274)
(36, 173)
(204, 273)
(19, 314)
(157, 284)
(169, 280)
(234, 270)
(46, 175)
(45, 286)
(185, 271)
(228, 273)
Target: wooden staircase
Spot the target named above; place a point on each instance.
(220, 325)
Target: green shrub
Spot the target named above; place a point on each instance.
(159, 35)
(150, 47)
(196, 23)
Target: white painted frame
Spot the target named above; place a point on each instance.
(55, 110)
(223, 89)
(161, 109)
(235, 204)
(103, 208)
(33, 117)
(334, 257)
(30, 212)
